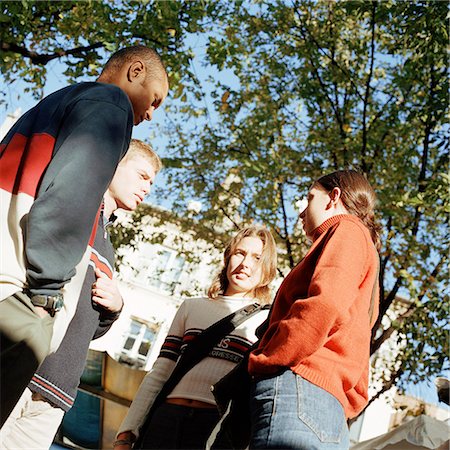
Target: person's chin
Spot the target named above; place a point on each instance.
(240, 285)
(130, 206)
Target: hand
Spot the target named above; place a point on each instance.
(121, 444)
(106, 293)
(40, 311)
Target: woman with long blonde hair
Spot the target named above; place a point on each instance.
(188, 415)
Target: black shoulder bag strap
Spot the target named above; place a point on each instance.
(194, 352)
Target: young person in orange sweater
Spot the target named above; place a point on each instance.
(311, 367)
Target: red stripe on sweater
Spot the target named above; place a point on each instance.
(23, 162)
(101, 265)
(236, 346)
(171, 344)
(94, 228)
(52, 389)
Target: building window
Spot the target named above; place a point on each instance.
(159, 267)
(138, 341)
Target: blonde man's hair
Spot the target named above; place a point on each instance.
(268, 263)
(139, 148)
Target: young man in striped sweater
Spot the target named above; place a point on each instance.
(56, 163)
(53, 388)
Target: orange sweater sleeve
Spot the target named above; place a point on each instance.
(297, 333)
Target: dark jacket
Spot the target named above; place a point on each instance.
(56, 163)
(58, 377)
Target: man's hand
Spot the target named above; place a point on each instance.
(106, 293)
(124, 441)
(40, 311)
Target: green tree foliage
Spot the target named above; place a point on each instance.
(296, 88)
(80, 33)
(318, 86)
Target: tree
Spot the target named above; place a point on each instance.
(79, 34)
(318, 86)
(296, 88)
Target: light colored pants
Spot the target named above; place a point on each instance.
(32, 424)
(24, 343)
(26, 339)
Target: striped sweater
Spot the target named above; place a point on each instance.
(56, 163)
(58, 377)
(193, 316)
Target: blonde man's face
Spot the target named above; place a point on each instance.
(132, 182)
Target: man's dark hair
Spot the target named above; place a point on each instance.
(153, 63)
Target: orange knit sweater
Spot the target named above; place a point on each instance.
(319, 325)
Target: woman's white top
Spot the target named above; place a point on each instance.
(193, 316)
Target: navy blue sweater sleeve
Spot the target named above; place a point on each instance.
(92, 139)
(106, 320)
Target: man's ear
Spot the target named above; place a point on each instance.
(136, 71)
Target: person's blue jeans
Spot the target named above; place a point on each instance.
(289, 412)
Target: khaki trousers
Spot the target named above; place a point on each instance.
(24, 343)
(32, 424)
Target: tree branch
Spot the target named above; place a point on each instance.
(411, 309)
(43, 59)
(286, 239)
(367, 90)
(324, 53)
(386, 386)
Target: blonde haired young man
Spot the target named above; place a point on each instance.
(52, 390)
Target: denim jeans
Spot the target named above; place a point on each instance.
(289, 412)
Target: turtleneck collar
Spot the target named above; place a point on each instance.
(330, 222)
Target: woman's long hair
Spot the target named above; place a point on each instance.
(268, 263)
(358, 197)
